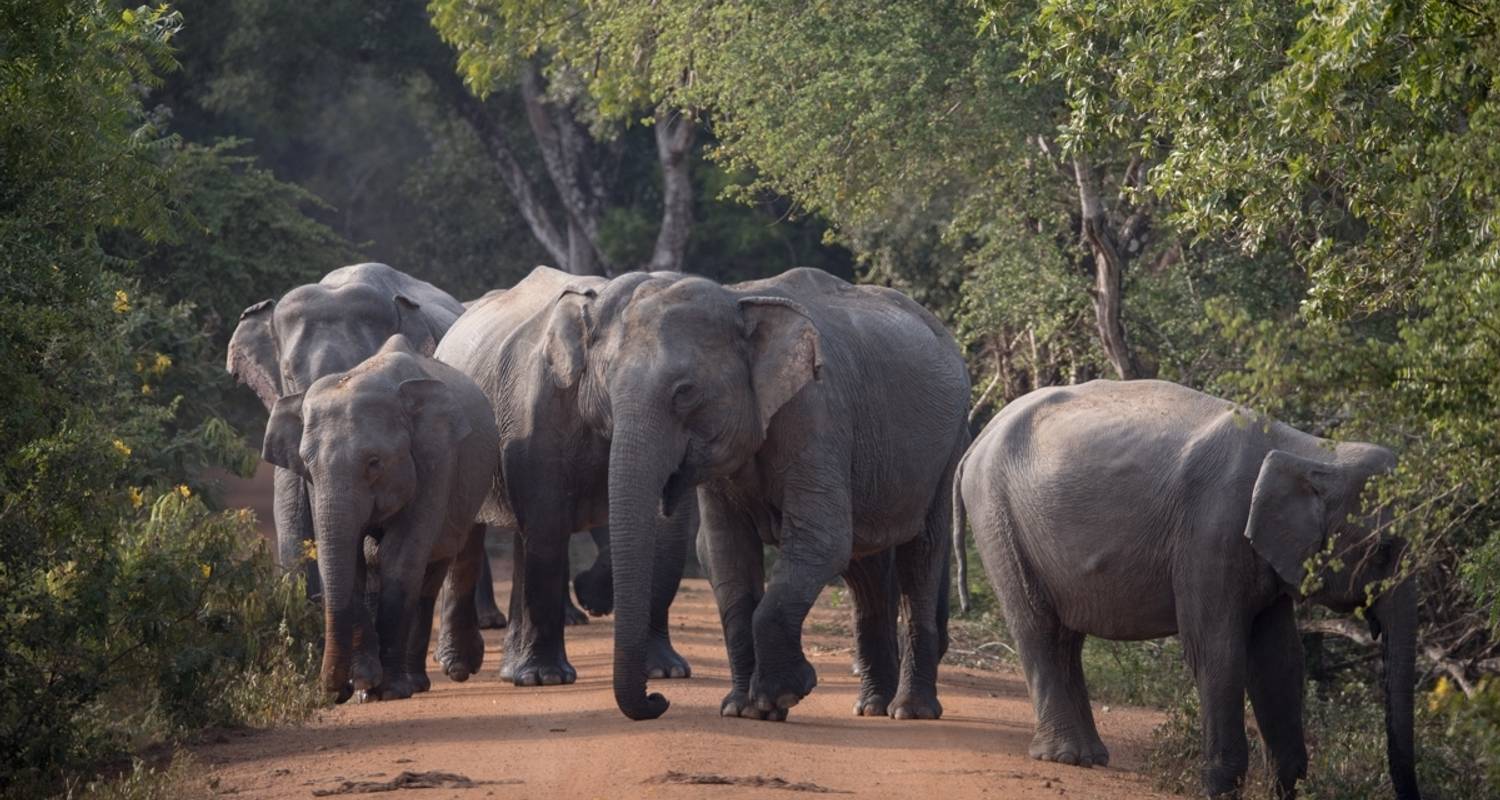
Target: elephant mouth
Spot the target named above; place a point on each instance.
(678, 484)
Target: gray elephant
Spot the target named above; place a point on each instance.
(552, 478)
(809, 413)
(398, 453)
(1141, 509)
(281, 347)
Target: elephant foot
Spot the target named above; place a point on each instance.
(872, 705)
(1070, 750)
(664, 662)
(538, 670)
(737, 704)
(784, 688)
(595, 593)
(460, 654)
(916, 705)
(573, 615)
(365, 672)
(419, 681)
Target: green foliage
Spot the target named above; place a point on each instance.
(131, 612)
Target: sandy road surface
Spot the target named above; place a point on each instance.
(571, 741)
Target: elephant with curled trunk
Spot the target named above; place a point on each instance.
(553, 477)
(398, 453)
(1141, 509)
(281, 347)
(808, 413)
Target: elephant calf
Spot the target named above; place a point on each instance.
(1141, 509)
(399, 452)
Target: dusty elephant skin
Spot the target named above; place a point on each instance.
(398, 452)
(809, 413)
(1141, 509)
(553, 474)
(281, 347)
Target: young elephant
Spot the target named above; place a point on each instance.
(1141, 509)
(809, 413)
(399, 452)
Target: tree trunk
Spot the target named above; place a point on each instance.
(1109, 272)
(675, 132)
(492, 137)
(568, 155)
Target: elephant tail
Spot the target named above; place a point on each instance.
(960, 549)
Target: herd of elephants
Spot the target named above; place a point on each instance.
(829, 420)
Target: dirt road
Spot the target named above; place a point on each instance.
(485, 738)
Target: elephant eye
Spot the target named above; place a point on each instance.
(684, 396)
(372, 463)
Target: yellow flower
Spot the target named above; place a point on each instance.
(146, 389)
(136, 498)
(206, 569)
(310, 550)
(122, 448)
(122, 301)
(183, 490)
(163, 361)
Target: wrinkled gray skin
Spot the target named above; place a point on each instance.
(282, 346)
(553, 476)
(1142, 509)
(398, 453)
(809, 413)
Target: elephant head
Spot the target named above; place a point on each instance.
(1302, 507)
(363, 440)
(281, 347)
(684, 376)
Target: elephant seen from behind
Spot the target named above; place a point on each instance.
(1141, 509)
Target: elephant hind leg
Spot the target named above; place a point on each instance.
(460, 648)
(490, 615)
(877, 657)
(1275, 684)
(1051, 653)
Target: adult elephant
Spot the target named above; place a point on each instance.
(398, 452)
(281, 347)
(553, 474)
(1141, 509)
(809, 413)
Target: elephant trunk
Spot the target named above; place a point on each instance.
(639, 464)
(338, 538)
(1396, 614)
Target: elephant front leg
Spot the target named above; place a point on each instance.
(816, 539)
(1216, 655)
(662, 660)
(411, 670)
(460, 648)
(534, 652)
(1275, 682)
(877, 658)
(730, 550)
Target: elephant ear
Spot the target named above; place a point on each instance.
(283, 443)
(253, 357)
(785, 351)
(1289, 510)
(567, 330)
(434, 412)
(413, 324)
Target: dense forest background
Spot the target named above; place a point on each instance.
(1289, 204)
